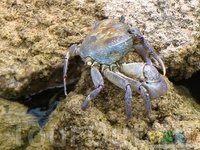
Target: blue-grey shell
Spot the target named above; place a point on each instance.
(108, 41)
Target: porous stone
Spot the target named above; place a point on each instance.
(35, 36)
(172, 28)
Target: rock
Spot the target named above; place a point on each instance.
(34, 39)
(171, 27)
(103, 124)
(35, 36)
(17, 127)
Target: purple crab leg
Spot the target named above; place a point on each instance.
(73, 51)
(144, 49)
(138, 86)
(146, 98)
(98, 83)
(125, 85)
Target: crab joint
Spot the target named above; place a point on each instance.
(88, 61)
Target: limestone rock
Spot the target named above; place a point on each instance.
(103, 124)
(17, 127)
(171, 27)
(34, 37)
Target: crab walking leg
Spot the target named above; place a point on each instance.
(138, 86)
(73, 51)
(98, 83)
(146, 99)
(125, 85)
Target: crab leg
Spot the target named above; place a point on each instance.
(98, 83)
(73, 51)
(138, 86)
(144, 49)
(124, 84)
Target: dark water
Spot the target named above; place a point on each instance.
(42, 113)
(43, 103)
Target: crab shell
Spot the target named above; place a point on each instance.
(107, 42)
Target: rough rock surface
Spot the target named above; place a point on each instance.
(16, 126)
(172, 27)
(34, 37)
(103, 124)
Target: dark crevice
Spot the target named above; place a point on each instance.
(42, 103)
(193, 84)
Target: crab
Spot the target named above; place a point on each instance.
(103, 48)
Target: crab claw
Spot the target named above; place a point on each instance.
(160, 62)
(144, 49)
